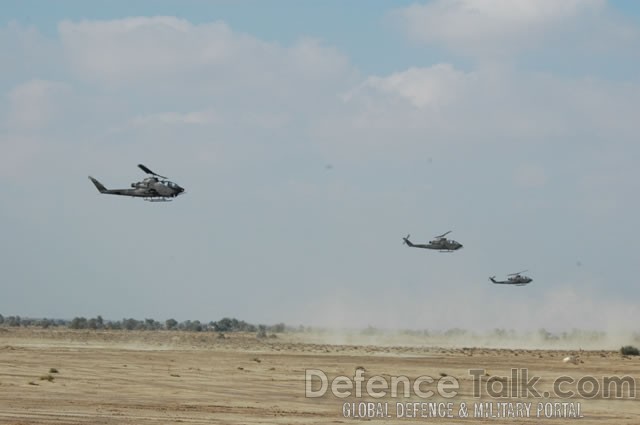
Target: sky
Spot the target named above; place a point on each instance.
(311, 137)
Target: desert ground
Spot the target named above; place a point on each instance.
(60, 376)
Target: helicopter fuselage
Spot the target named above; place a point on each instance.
(442, 245)
(513, 280)
(151, 186)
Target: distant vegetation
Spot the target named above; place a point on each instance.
(629, 350)
(223, 325)
(229, 325)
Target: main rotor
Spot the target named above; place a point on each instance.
(442, 235)
(148, 171)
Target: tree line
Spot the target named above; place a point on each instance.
(223, 325)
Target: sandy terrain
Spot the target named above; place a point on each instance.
(117, 377)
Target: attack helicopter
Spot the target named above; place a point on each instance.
(440, 243)
(513, 279)
(155, 188)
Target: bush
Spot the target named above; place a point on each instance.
(262, 331)
(12, 320)
(629, 350)
(278, 328)
(171, 324)
(78, 323)
(232, 325)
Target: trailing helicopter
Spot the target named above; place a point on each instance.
(440, 243)
(513, 279)
(155, 188)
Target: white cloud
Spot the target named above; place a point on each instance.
(172, 118)
(503, 102)
(34, 104)
(26, 53)
(312, 59)
(162, 49)
(435, 86)
(152, 71)
(517, 11)
(32, 111)
(142, 47)
(495, 27)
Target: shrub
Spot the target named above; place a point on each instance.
(171, 324)
(262, 331)
(629, 350)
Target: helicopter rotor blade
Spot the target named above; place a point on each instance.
(443, 235)
(515, 274)
(148, 171)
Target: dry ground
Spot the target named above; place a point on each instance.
(117, 377)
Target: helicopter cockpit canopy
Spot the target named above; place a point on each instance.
(170, 184)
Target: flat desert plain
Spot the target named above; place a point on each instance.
(60, 376)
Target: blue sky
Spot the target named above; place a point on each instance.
(511, 123)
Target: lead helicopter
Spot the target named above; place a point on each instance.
(155, 188)
(440, 243)
(513, 279)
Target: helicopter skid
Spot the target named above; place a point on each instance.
(158, 199)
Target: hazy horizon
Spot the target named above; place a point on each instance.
(503, 338)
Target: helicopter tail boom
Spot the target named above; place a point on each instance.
(407, 241)
(98, 185)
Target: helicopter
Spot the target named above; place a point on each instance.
(440, 243)
(513, 279)
(154, 189)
